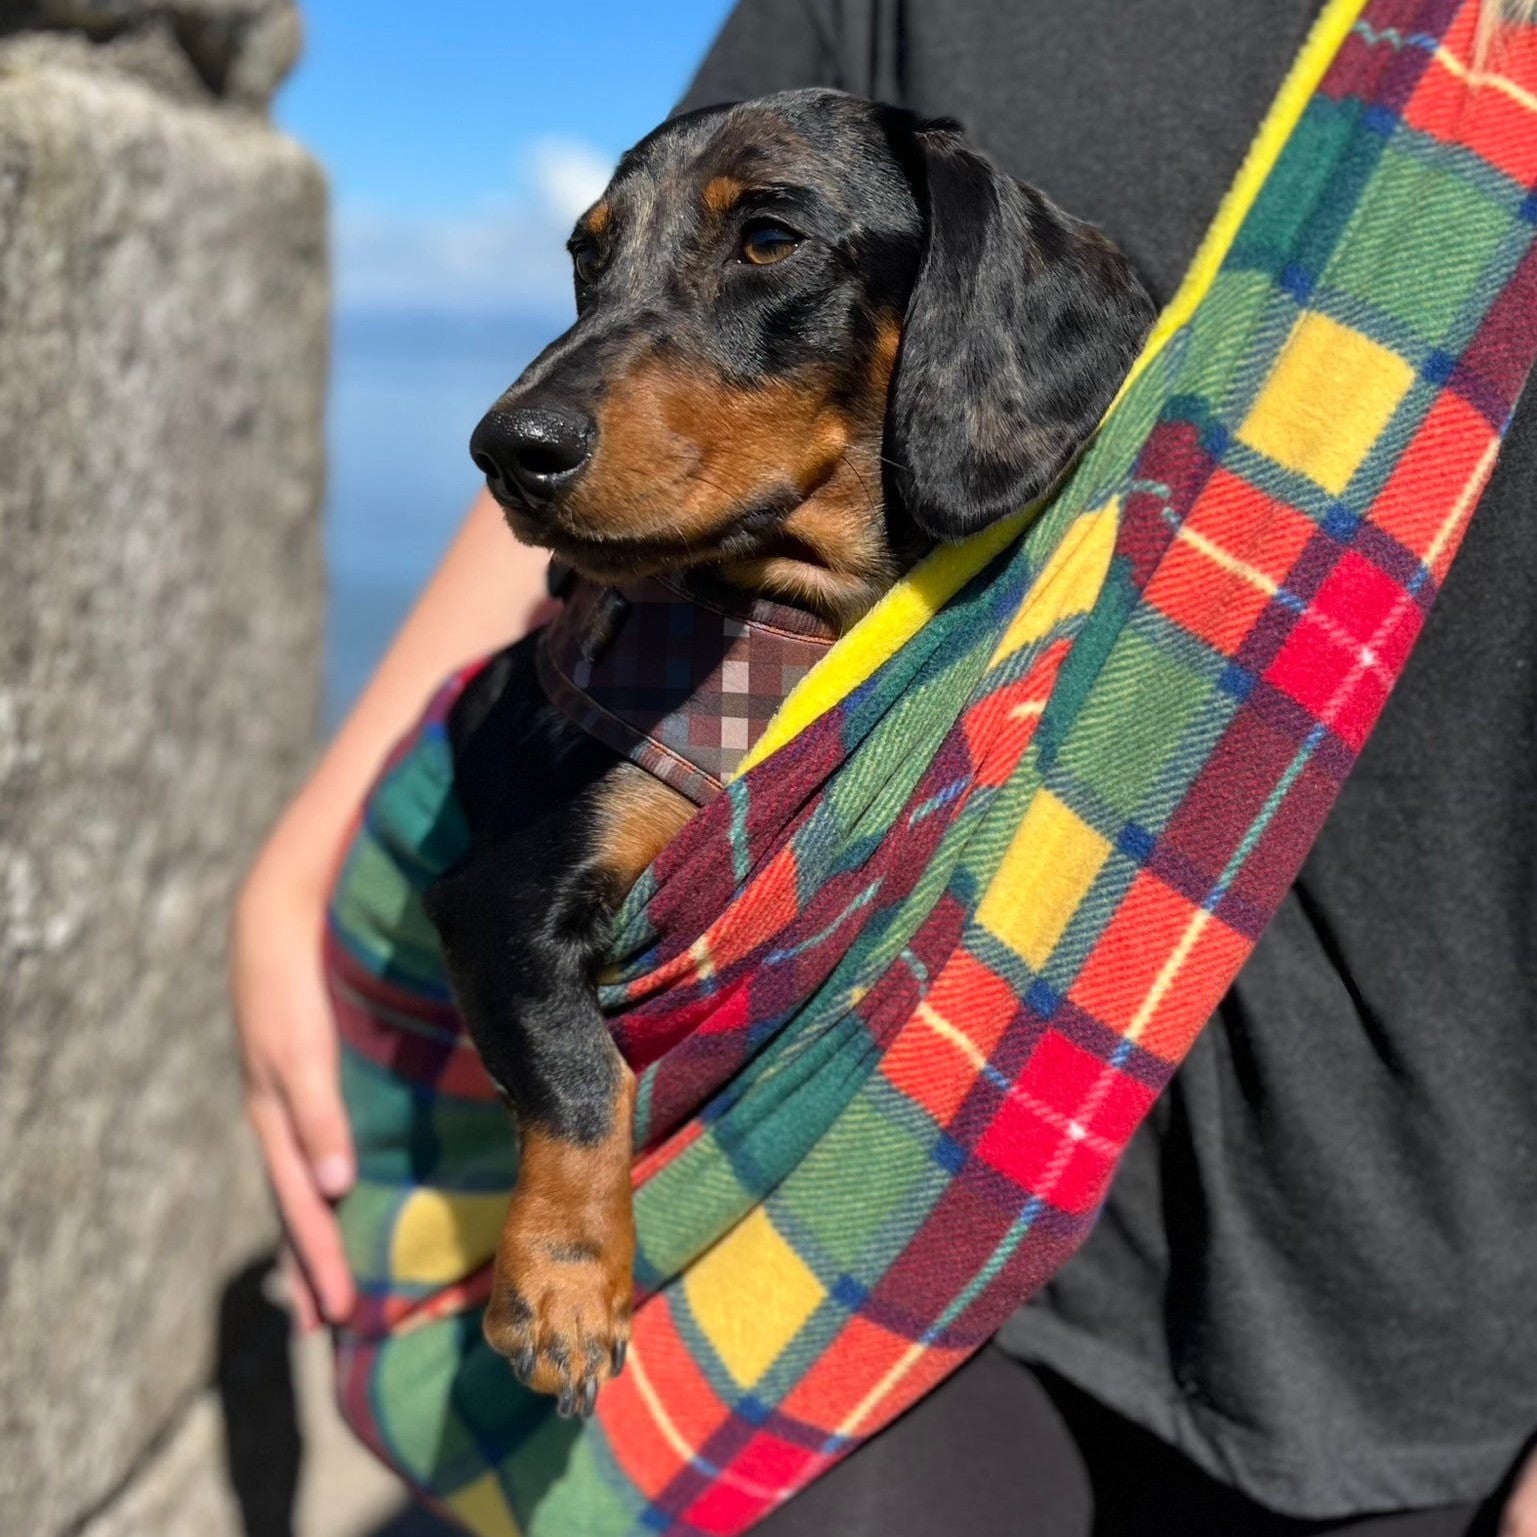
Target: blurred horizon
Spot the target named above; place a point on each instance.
(460, 149)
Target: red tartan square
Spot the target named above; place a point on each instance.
(1312, 666)
(723, 1508)
(924, 1061)
(680, 1396)
(1440, 461)
(1060, 1074)
(1058, 1133)
(770, 1461)
(1000, 725)
(1495, 124)
(1214, 957)
(765, 1464)
(844, 1374)
(1158, 938)
(1358, 597)
(1355, 635)
(1123, 966)
(1235, 548)
(774, 901)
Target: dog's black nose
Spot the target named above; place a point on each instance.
(531, 451)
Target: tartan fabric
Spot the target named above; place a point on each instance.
(899, 997)
(679, 677)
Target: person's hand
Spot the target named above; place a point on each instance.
(488, 591)
(293, 1097)
(1519, 1518)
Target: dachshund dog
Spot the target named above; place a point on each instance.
(814, 335)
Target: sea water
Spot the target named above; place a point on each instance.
(406, 392)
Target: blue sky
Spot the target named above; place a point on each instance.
(462, 138)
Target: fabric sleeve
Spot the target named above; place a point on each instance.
(764, 46)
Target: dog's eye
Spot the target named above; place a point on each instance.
(765, 243)
(584, 258)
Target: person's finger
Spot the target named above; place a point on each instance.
(314, 1096)
(308, 1220)
(294, 1053)
(300, 1294)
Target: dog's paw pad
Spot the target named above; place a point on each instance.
(567, 1341)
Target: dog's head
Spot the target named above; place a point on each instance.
(813, 333)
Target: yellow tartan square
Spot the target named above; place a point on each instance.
(483, 1509)
(1326, 402)
(442, 1235)
(1045, 875)
(751, 1294)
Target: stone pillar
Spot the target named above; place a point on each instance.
(162, 359)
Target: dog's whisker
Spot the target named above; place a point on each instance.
(864, 485)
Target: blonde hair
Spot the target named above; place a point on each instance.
(1495, 14)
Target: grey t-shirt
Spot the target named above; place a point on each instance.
(1316, 1273)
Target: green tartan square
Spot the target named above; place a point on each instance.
(424, 818)
(380, 1105)
(843, 1217)
(1121, 755)
(1274, 231)
(421, 1379)
(1399, 255)
(679, 1210)
(555, 1476)
(1219, 358)
(381, 911)
(368, 1227)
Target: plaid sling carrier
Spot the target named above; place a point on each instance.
(898, 997)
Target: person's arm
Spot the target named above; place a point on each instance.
(488, 591)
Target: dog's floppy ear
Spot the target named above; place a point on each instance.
(1021, 325)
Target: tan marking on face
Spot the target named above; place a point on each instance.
(597, 218)
(883, 357)
(842, 524)
(680, 455)
(562, 1282)
(842, 530)
(721, 193)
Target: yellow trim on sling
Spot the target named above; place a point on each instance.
(920, 595)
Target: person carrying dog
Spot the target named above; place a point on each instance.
(1232, 1351)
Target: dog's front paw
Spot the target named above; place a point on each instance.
(561, 1298)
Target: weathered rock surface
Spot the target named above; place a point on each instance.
(235, 50)
(181, 1491)
(162, 337)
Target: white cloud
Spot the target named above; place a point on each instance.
(567, 175)
(504, 253)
